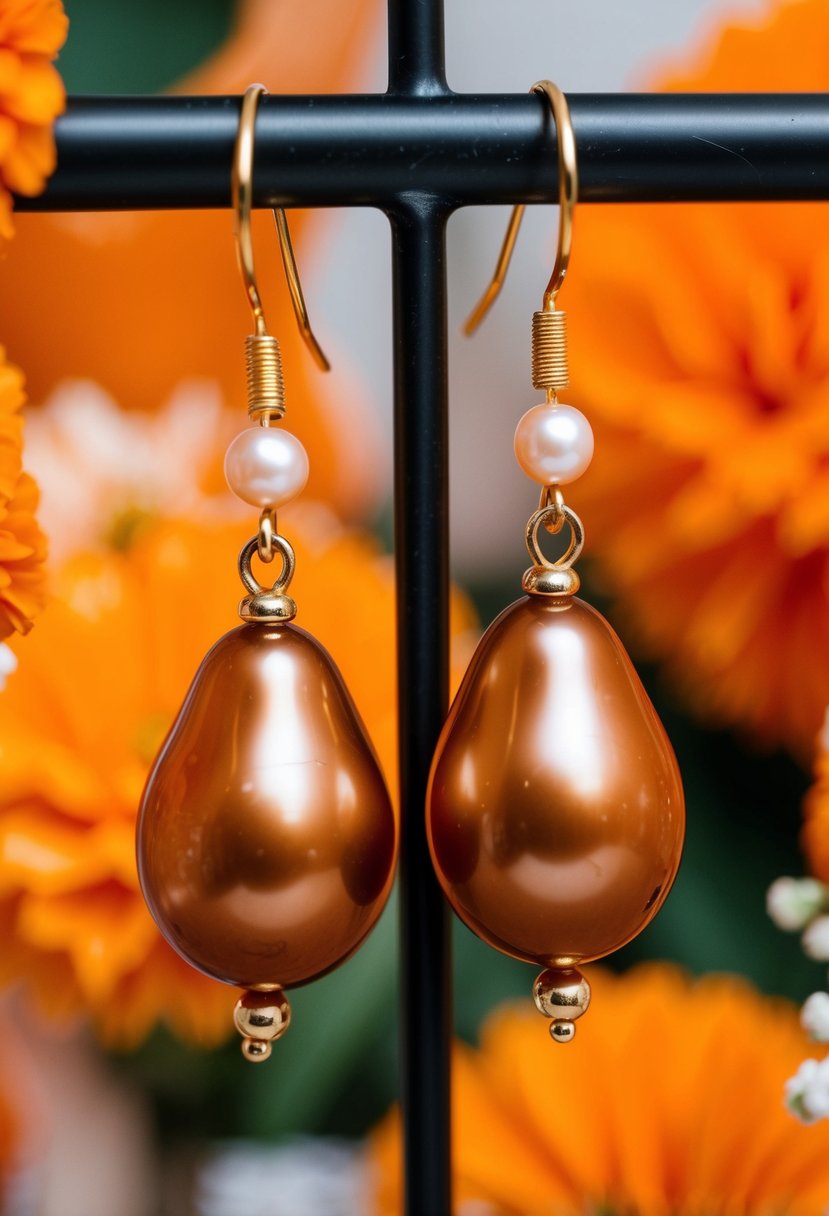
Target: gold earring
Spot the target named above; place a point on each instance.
(555, 811)
(266, 838)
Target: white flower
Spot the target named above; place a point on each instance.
(315, 1177)
(792, 902)
(807, 1092)
(8, 664)
(98, 465)
(814, 1016)
(816, 939)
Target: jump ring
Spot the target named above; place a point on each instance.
(286, 574)
(571, 554)
(267, 533)
(551, 496)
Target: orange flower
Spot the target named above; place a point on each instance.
(700, 352)
(668, 1103)
(96, 688)
(195, 326)
(31, 97)
(22, 544)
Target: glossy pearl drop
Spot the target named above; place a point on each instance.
(266, 838)
(266, 466)
(555, 812)
(553, 444)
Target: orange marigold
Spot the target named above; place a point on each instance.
(22, 544)
(96, 688)
(668, 1103)
(195, 327)
(31, 97)
(700, 352)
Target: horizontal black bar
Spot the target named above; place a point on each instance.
(336, 151)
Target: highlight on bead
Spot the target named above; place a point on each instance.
(266, 466)
(553, 443)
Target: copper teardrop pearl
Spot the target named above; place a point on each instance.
(266, 838)
(555, 811)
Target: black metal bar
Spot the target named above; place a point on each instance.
(159, 152)
(421, 544)
(416, 48)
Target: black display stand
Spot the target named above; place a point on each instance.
(408, 152)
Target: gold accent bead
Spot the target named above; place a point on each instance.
(262, 1016)
(256, 1050)
(562, 1032)
(561, 993)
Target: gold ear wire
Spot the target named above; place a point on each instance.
(242, 193)
(567, 194)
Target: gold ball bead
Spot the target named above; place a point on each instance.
(561, 994)
(256, 1050)
(262, 1015)
(562, 1032)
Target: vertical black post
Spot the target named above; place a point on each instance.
(416, 48)
(421, 547)
(421, 512)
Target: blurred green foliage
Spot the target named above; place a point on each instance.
(120, 46)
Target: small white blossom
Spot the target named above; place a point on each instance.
(8, 664)
(807, 1092)
(816, 939)
(814, 1016)
(792, 902)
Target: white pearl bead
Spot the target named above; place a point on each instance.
(266, 466)
(553, 443)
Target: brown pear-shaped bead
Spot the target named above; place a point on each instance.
(555, 811)
(266, 838)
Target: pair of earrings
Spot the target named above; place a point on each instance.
(555, 818)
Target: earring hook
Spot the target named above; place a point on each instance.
(567, 193)
(242, 195)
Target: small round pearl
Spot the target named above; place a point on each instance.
(266, 466)
(553, 443)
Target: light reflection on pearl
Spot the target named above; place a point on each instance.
(553, 443)
(266, 466)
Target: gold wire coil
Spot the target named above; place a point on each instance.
(549, 364)
(266, 383)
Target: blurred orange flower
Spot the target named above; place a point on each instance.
(22, 544)
(195, 326)
(96, 688)
(31, 97)
(700, 352)
(668, 1103)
